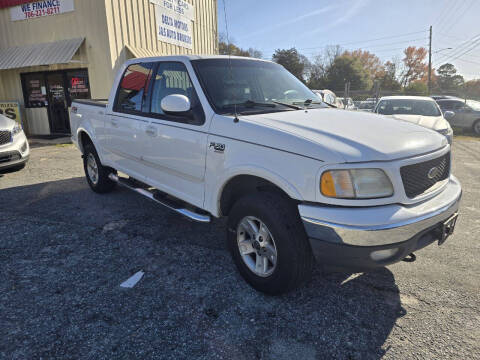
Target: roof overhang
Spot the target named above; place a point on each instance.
(141, 52)
(58, 52)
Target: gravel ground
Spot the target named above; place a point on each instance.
(65, 250)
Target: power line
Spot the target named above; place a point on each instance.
(462, 46)
(465, 50)
(361, 41)
(450, 19)
(444, 16)
(461, 16)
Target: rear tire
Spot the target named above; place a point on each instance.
(285, 242)
(95, 172)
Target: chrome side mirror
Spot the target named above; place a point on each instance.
(175, 103)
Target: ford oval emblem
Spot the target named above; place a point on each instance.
(434, 172)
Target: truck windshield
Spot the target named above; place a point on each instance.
(252, 86)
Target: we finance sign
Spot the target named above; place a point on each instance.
(38, 9)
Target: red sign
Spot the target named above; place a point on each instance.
(10, 3)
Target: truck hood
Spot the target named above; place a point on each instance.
(334, 135)
(430, 122)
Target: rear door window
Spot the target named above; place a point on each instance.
(133, 88)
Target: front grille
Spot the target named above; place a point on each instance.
(418, 178)
(10, 156)
(5, 137)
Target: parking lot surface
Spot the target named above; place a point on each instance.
(64, 251)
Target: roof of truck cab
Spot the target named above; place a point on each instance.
(190, 58)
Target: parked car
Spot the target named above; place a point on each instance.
(441, 97)
(348, 103)
(420, 110)
(466, 113)
(367, 105)
(14, 149)
(329, 97)
(214, 136)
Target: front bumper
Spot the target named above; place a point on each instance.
(367, 237)
(14, 153)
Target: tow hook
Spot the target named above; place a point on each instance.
(410, 258)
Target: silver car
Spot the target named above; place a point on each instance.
(467, 113)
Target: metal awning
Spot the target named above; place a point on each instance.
(58, 52)
(141, 52)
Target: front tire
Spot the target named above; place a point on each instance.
(95, 172)
(476, 127)
(268, 243)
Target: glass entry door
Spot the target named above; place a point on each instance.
(57, 104)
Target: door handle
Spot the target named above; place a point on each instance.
(151, 131)
(114, 122)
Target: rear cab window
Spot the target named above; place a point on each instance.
(133, 88)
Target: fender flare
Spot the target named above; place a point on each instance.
(249, 170)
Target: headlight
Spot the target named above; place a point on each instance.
(17, 129)
(448, 133)
(356, 184)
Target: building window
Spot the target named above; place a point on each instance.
(78, 85)
(35, 90)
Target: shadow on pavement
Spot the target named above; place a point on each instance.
(65, 250)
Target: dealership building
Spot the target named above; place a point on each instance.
(55, 51)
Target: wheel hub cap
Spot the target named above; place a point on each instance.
(257, 246)
(92, 168)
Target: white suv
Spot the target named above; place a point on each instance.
(14, 149)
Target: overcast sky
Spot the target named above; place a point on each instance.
(309, 25)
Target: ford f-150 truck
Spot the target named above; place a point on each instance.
(213, 136)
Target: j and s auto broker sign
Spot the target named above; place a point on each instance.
(40, 8)
(174, 22)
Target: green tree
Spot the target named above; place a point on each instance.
(416, 88)
(388, 80)
(231, 49)
(347, 68)
(447, 78)
(292, 61)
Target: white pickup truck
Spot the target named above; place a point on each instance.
(213, 136)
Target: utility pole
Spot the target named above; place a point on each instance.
(430, 62)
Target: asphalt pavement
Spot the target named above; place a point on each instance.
(64, 251)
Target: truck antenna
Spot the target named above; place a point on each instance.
(235, 119)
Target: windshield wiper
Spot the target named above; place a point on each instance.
(249, 104)
(292, 106)
(310, 102)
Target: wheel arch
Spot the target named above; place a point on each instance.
(240, 185)
(83, 138)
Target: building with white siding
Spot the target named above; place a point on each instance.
(53, 51)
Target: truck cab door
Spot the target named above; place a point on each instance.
(177, 147)
(127, 125)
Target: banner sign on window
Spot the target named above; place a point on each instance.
(11, 110)
(174, 22)
(40, 8)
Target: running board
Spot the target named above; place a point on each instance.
(168, 204)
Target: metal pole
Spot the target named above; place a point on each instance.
(430, 62)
